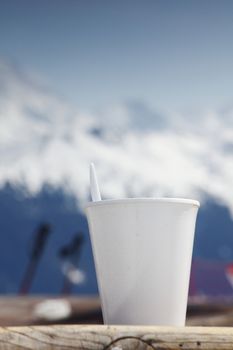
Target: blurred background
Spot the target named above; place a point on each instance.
(144, 89)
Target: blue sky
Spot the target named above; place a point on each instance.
(168, 54)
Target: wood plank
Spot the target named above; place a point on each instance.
(96, 337)
(20, 310)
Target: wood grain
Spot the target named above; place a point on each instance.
(98, 337)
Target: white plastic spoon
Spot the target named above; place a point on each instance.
(95, 192)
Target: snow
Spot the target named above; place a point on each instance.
(136, 151)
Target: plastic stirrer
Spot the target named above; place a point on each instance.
(95, 192)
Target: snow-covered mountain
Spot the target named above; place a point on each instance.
(137, 151)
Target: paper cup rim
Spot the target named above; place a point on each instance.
(143, 200)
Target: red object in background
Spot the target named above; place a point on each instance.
(229, 269)
(229, 273)
(211, 278)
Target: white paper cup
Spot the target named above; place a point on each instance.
(142, 251)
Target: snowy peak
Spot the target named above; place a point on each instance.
(137, 151)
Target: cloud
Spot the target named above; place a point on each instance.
(137, 151)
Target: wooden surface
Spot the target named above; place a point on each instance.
(210, 313)
(20, 311)
(115, 337)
